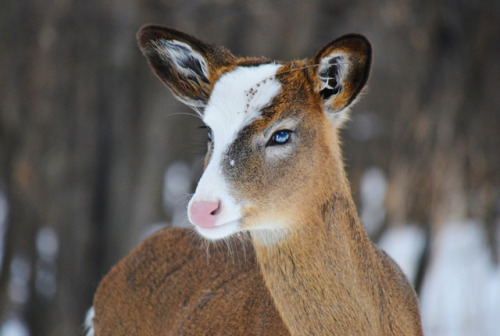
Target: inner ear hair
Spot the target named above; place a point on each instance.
(187, 61)
(331, 71)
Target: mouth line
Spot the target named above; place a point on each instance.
(220, 231)
(236, 222)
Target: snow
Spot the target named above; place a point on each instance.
(373, 188)
(460, 294)
(47, 243)
(152, 228)
(14, 327)
(89, 323)
(20, 274)
(177, 182)
(461, 290)
(4, 209)
(405, 244)
(176, 188)
(47, 246)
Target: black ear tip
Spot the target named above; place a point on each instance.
(356, 42)
(146, 34)
(144, 29)
(151, 32)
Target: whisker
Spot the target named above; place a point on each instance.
(174, 114)
(186, 197)
(250, 93)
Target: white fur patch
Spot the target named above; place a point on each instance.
(237, 99)
(89, 324)
(339, 76)
(269, 235)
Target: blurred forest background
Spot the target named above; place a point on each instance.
(95, 152)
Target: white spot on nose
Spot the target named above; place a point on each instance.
(231, 163)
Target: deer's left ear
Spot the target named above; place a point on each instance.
(341, 71)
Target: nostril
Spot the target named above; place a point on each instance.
(204, 214)
(216, 211)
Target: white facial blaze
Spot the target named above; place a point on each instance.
(237, 99)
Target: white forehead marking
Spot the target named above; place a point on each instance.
(238, 98)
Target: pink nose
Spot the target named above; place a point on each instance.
(204, 214)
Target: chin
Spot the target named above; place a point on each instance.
(219, 232)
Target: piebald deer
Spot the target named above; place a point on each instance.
(273, 173)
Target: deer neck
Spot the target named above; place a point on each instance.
(319, 275)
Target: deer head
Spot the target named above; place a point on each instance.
(273, 155)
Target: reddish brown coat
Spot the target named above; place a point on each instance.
(172, 284)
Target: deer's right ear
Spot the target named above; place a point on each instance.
(185, 64)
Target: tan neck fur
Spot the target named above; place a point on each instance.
(325, 276)
(316, 275)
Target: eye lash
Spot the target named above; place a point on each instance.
(286, 130)
(202, 127)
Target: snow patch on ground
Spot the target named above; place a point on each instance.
(405, 244)
(4, 210)
(176, 188)
(461, 289)
(14, 327)
(373, 187)
(89, 323)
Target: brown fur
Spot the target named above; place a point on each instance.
(172, 285)
(317, 264)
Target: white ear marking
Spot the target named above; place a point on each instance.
(331, 73)
(187, 61)
(325, 74)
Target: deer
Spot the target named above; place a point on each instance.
(274, 182)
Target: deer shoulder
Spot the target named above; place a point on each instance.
(172, 284)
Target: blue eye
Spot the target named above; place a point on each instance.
(279, 138)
